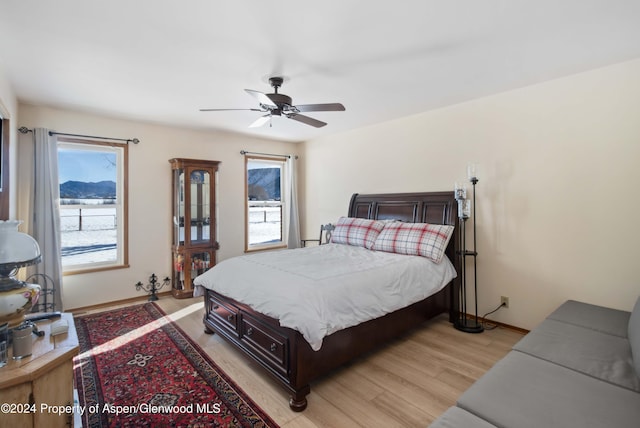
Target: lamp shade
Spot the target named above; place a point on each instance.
(17, 249)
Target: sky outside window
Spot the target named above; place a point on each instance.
(87, 166)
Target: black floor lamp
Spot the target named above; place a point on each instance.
(463, 322)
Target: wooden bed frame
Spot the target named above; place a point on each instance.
(287, 356)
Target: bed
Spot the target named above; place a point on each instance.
(287, 355)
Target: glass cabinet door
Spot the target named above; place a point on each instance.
(200, 263)
(178, 209)
(200, 190)
(178, 270)
(188, 264)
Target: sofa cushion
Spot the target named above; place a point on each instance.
(599, 318)
(603, 356)
(634, 336)
(455, 417)
(522, 391)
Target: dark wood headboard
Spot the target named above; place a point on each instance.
(424, 207)
(431, 207)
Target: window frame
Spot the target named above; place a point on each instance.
(122, 205)
(4, 166)
(283, 203)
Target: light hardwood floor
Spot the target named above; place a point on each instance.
(408, 383)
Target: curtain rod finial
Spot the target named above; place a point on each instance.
(24, 130)
(134, 140)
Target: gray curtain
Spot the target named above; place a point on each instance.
(293, 236)
(45, 224)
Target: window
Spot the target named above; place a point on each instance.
(93, 205)
(265, 203)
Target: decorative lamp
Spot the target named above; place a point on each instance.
(472, 173)
(17, 250)
(464, 208)
(460, 190)
(463, 322)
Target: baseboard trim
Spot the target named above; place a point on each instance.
(83, 309)
(499, 324)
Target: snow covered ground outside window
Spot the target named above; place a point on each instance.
(95, 240)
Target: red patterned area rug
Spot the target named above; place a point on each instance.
(137, 368)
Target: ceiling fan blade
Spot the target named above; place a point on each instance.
(321, 107)
(307, 120)
(260, 121)
(263, 99)
(231, 109)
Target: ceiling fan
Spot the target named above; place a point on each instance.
(282, 105)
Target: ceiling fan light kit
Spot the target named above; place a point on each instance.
(261, 121)
(276, 104)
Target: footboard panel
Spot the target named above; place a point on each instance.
(288, 357)
(261, 339)
(264, 343)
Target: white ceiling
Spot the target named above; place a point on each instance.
(161, 60)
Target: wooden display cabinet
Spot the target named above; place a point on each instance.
(194, 223)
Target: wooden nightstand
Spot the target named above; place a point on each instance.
(30, 387)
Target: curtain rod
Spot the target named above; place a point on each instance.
(25, 130)
(244, 152)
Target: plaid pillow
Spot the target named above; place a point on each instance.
(416, 239)
(359, 232)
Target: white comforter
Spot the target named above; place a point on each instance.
(320, 290)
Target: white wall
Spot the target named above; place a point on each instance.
(557, 198)
(150, 194)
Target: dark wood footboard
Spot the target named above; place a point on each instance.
(288, 357)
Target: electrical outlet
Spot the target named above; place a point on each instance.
(504, 300)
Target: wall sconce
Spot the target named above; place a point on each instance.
(153, 286)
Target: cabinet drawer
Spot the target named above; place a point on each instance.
(223, 314)
(265, 341)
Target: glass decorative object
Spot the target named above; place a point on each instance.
(17, 250)
(472, 172)
(464, 208)
(460, 190)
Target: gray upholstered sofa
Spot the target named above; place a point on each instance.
(579, 368)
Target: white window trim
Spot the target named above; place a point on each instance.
(283, 203)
